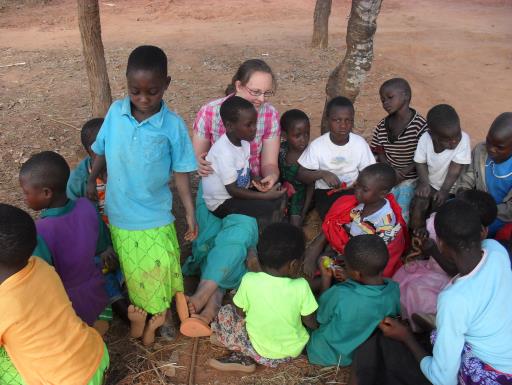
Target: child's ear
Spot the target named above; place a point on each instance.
(484, 233)
(238, 85)
(284, 135)
(47, 192)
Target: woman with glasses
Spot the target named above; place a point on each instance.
(219, 253)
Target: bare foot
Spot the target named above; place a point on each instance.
(154, 323)
(137, 319)
(101, 326)
(204, 291)
(211, 309)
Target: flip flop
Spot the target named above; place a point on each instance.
(181, 306)
(195, 327)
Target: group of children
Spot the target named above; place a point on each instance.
(105, 241)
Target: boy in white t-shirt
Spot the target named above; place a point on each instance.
(333, 160)
(440, 158)
(226, 191)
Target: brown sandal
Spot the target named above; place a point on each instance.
(181, 306)
(195, 327)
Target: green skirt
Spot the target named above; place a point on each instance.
(150, 261)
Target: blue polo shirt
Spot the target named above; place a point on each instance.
(140, 160)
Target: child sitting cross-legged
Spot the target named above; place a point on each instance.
(70, 234)
(295, 135)
(42, 341)
(472, 344)
(266, 323)
(226, 191)
(350, 311)
(440, 158)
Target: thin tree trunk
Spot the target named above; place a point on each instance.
(347, 77)
(90, 32)
(321, 24)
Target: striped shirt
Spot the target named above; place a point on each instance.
(399, 153)
(208, 125)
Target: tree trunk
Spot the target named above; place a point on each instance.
(347, 77)
(321, 24)
(90, 32)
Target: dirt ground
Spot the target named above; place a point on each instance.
(457, 52)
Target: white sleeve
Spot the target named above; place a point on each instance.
(463, 155)
(223, 164)
(420, 156)
(367, 158)
(309, 158)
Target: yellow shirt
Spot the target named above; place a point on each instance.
(43, 336)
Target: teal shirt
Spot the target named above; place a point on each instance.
(348, 313)
(42, 250)
(77, 182)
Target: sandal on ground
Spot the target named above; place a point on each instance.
(195, 327)
(235, 362)
(181, 306)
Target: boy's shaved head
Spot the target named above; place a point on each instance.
(398, 83)
(46, 169)
(17, 235)
(502, 126)
(499, 138)
(148, 58)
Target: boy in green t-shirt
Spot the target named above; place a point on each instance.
(266, 323)
(350, 311)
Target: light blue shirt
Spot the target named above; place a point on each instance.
(475, 309)
(140, 160)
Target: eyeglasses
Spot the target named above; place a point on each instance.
(258, 93)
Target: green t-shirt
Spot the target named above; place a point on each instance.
(348, 314)
(273, 308)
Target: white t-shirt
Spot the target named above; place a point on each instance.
(438, 163)
(345, 161)
(230, 164)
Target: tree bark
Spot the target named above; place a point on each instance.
(90, 32)
(321, 24)
(347, 77)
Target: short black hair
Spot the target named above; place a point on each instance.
(383, 172)
(458, 225)
(47, 169)
(367, 254)
(17, 235)
(148, 58)
(441, 116)
(290, 117)
(502, 124)
(231, 107)
(279, 244)
(398, 83)
(338, 101)
(89, 132)
(482, 202)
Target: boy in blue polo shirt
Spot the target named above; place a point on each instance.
(142, 143)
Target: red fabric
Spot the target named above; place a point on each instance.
(339, 215)
(505, 233)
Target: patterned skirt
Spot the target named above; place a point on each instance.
(150, 262)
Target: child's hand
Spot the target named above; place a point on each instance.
(205, 167)
(109, 259)
(331, 179)
(326, 271)
(422, 190)
(275, 192)
(267, 183)
(420, 232)
(91, 192)
(393, 328)
(193, 228)
(340, 274)
(440, 197)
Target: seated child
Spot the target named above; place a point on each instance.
(265, 324)
(422, 280)
(295, 134)
(474, 312)
(440, 159)
(226, 191)
(333, 160)
(76, 188)
(42, 341)
(350, 311)
(396, 137)
(372, 210)
(491, 169)
(69, 233)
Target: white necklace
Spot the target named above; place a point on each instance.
(492, 164)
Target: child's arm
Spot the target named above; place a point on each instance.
(310, 321)
(429, 247)
(307, 176)
(423, 187)
(98, 166)
(243, 193)
(454, 171)
(392, 328)
(310, 189)
(185, 194)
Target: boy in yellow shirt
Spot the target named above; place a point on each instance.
(42, 340)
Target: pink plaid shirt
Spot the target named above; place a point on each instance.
(208, 125)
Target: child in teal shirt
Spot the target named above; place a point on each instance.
(349, 312)
(271, 307)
